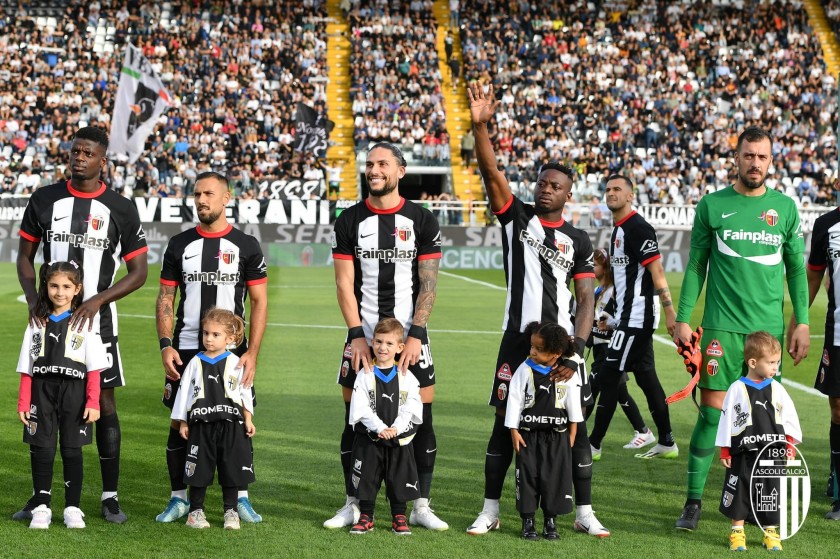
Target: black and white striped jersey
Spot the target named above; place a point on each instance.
(385, 247)
(825, 253)
(540, 259)
(54, 350)
(633, 246)
(210, 270)
(94, 229)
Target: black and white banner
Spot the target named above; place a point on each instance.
(310, 131)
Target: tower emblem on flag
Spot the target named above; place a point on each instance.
(226, 256)
(780, 488)
(95, 222)
(403, 233)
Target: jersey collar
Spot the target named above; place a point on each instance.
(213, 360)
(626, 217)
(80, 194)
(216, 235)
(383, 376)
(59, 317)
(393, 210)
(541, 369)
(552, 224)
(754, 384)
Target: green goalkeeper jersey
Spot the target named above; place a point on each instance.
(748, 244)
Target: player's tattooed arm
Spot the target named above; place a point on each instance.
(427, 270)
(165, 322)
(664, 296)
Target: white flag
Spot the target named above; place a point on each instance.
(141, 99)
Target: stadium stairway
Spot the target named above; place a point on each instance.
(339, 104)
(466, 184)
(828, 41)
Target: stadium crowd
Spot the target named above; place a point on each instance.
(396, 79)
(235, 70)
(658, 91)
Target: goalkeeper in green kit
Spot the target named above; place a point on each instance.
(747, 239)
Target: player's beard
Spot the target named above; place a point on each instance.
(750, 183)
(210, 218)
(389, 187)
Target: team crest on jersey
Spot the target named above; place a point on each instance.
(227, 256)
(348, 351)
(771, 217)
(727, 499)
(194, 450)
(825, 359)
(403, 233)
(345, 368)
(617, 243)
(712, 367)
(37, 343)
(403, 397)
(563, 246)
(189, 469)
(372, 399)
(232, 383)
(501, 393)
(733, 481)
(32, 428)
(741, 416)
(95, 222)
(76, 341)
(33, 410)
(559, 396)
(167, 391)
(504, 373)
(714, 349)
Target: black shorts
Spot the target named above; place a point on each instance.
(170, 387)
(424, 369)
(735, 500)
(828, 375)
(513, 351)
(374, 462)
(223, 445)
(58, 406)
(544, 473)
(599, 358)
(630, 349)
(112, 377)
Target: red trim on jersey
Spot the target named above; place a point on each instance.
(80, 194)
(29, 237)
(343, 256)
(256, 282)
(137, 252)
(432, 256)
(209, 235)
(170, 283)
(552, 224)
(626, 217)
(393, 210)
(584, 275)
(810, 266)
(506, 207)
(651, 259)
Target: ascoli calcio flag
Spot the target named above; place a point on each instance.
(141, 100)
(311, 131)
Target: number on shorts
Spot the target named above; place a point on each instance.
(109, 356)
(425, 360)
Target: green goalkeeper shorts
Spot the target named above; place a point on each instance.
(723, 359)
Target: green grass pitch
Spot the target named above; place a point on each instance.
(299, 419)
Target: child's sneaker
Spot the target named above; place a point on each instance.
(41, 517)
(74, 517)
(772, 541)
(737, 540)
(197, 519)
(231, 520)
(400, 525)
(363, 526)
(550, 529)
(529, 531)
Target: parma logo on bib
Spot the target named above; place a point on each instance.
(189, 469)
(76, 341)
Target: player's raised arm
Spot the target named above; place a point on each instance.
(482, 108)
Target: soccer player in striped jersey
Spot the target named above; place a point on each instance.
(387, 251)
(85, 221)
(747, 239)
(211, 265)
(825, 255)
(638, 276)
(542, 254)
